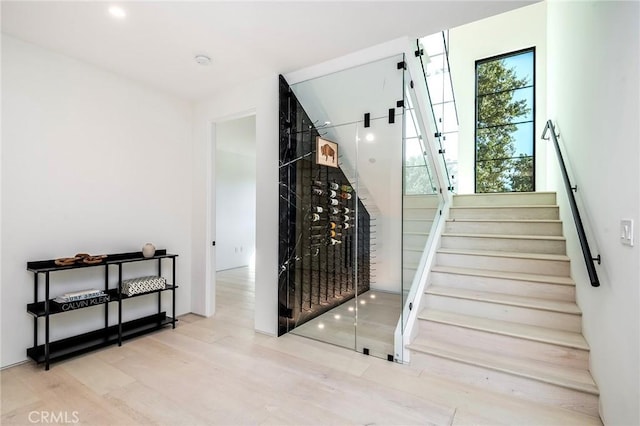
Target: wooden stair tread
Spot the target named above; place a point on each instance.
(571, 378)
(413, 249)
(505, 220)
(506, 236)
(507, 206)
(516, 276)
(537, 256)
(506, 299)
(530, 332)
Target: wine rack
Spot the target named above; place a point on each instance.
(324, 249)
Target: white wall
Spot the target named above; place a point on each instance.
(259, 97)
(235, 208)
(518, 29)
(91, 163)
(594, 97)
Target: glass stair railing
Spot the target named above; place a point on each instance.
(435, 64)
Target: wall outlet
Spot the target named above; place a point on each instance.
(626, 232)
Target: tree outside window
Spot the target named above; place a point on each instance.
(505, 123)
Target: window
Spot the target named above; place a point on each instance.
(505, 111)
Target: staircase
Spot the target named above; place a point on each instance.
(418, 214)
(499, 309)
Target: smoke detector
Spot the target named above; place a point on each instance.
(202, 59)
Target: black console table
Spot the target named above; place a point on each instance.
(109, 334)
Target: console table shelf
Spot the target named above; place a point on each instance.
(37, 309)
(108, 334)
(92, 340)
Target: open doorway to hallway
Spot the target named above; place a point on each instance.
(235, 197)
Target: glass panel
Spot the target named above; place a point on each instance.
(496, 76)
(512, 106)
(348, 216)
(380, 177)
(447, 120)
(421, 200)
(325, 270)
(504, 141)
(505, 175)
(436, 65)
(505, 123)
(433, 44)
(345, 96)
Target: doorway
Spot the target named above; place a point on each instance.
(235, 197)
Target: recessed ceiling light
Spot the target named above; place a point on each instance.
(202, 59)
(117, 12)
(370, 137)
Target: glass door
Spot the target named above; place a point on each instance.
(341, 207)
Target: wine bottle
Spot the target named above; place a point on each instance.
(345, 195)
(333, 202)
(334, 185)
(318, 183)
(333, 241)
(335, 234)
(346, 188)
(333, 194)
(317, 191)
(346, 218)
(317, 209)
(346, 226)
(332, 225)
(315, 217)
(335, 210)
(345, 210)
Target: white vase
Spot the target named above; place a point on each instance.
(148, 250)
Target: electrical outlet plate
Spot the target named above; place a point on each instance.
(626, 232)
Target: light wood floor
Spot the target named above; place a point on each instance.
(377, 316)
(218, 371)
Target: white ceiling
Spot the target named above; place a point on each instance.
(155, 44)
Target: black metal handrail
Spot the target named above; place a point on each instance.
(586, 251)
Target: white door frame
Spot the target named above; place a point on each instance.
(210, 262)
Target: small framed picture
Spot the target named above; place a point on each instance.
(326, 152)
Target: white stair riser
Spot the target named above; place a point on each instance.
(506, 383)
(496, 311)
(518, 245)
(505, 345)
(505, 286)
(509, 199)
(422, 201)
(417, 225)
(504, 228)
(414, 240)
(407, 276)
(411, 257)
(419, 213)
(512, 213)
(507, 264)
